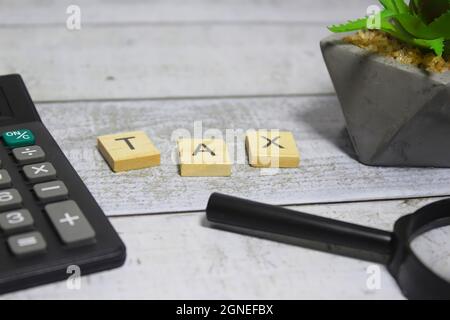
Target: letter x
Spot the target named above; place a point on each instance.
(270, 142)
(39, 169)
(127, 141)
(203, 148)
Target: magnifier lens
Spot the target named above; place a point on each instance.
(433, 250)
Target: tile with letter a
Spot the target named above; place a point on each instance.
(128, 151)
(272, 149)
(204, 158)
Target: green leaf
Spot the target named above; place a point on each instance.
(396, 6)
(351, 25)
(437, 45)
(360, 24)
(416, 27)
(441, 25)
(447, 49)
(429, 10)
(414, 6)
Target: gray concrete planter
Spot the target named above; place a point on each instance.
(396, 114)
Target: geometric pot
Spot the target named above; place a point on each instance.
(396, 114)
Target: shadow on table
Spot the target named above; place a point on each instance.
(328, 122)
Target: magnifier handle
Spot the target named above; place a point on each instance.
(224, 209)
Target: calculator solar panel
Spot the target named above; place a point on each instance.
(49, 221)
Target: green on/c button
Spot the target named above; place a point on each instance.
(18, 138)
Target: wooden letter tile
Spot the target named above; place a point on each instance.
(204, 157)
(128, 151)
(272, 148)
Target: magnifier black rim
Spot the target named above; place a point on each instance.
(415, 279)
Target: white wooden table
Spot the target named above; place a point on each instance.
(162, 65)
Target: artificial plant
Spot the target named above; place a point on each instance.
(422, 23)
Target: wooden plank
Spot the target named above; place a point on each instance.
(328, 171)
(141, 61)
(32, 12)
(178, 257)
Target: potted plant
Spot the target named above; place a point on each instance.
(392, 79)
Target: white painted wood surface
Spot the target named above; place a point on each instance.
(142, 61)
(327, 172)
(134, 50)
(148, 49)
(178, 257)
(35, 12)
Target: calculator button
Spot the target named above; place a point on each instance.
(18, 138)
(70, 223)
(51, 191)
(16, 220)
(39, 172)
(27, 243)
(5, 179)
(10, 199)
(30, 154)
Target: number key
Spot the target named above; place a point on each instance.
(5, 179)
(10, 199)
(16, 220)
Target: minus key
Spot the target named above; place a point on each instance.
(51, 191)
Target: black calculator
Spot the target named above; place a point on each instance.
(50, 225)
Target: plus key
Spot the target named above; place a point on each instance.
(70, 223)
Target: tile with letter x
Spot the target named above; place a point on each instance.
(272, 149)
(204, 158)
(128, 151)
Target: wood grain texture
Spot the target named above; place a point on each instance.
(328, 173)
(33, 12)
(173, 48)
(179, 257)
(141, 61)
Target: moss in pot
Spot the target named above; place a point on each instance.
(392, 79)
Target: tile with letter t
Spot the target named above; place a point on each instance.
(204, 158)
(272, 149)
(128, 151)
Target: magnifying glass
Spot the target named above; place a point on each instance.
(393, 249)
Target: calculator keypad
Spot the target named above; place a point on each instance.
(10, 199)
(5, 179)
(16, 220)
(39, 172)
(18, 138)
(66, 217)
(51, 191)
(29, 154)
(70, 223)
(27, 243)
